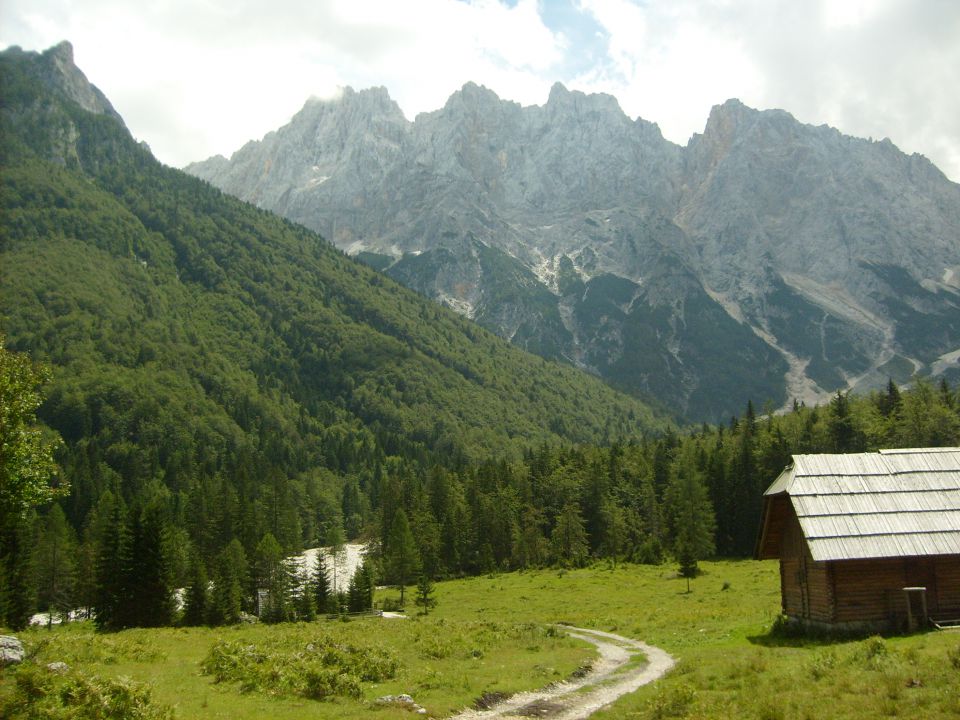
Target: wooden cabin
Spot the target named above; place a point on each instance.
(866, 541)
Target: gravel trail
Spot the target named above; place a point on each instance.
(607, 680)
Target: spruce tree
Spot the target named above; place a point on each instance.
(320, 585)
(274, 580)
(112, 600)
(54, 564)
(692, 519)
(336, 546)
(196, 607)
(425, 597)
(360, 595)
(17, 589)
(568, 540)
(146, 569)
(402, 561)
(305, 603)
(226, 602)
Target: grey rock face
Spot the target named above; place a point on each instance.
(60, 71)
(766, 259)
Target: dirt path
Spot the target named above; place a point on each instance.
(610, 677)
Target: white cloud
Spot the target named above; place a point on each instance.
(196, 78)
(202, 76)
(880, 68)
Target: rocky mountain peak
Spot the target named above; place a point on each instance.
(61, 72)
(574, 101)
(475, 101)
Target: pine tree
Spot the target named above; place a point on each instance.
(425, 597)
(360, 594)
(54, 564)
(402, 560)
(145, 566)
(530, 549)
(196, 608)
(17, 589)
(304, 602)
(890, 402)
(692, 518)
(226, 602)
(844, 437)
(271, 580)
(569, 538)
(112, 598)
(613, 528)
(320, 585)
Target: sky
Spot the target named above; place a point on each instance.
(194, 78)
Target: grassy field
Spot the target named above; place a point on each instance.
(489, 634)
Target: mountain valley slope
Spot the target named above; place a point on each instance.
(187, 329)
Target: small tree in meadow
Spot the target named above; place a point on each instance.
(425, 597)
(402, 560)
(692, 519)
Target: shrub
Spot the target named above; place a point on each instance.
(317, 669)
(76, 696)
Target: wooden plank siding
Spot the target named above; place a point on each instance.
(821, 604)
(947, 569)
(870, 591)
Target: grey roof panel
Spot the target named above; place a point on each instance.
(889, 504)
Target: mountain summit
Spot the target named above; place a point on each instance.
(766, 259)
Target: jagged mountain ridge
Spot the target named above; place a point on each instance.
(822, 261)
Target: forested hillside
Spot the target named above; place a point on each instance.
(224, 364)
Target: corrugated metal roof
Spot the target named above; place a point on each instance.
(895, 503)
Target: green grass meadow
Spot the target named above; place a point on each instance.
(492, 634)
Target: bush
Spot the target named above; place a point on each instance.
(316, 669)
(39, 693)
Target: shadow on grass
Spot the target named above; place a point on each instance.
(787, 633)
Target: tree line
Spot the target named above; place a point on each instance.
(682, 496)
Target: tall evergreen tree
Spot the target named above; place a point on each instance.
(17, 588)
(402, 560)
(230, 578)
(844, 437)
(360, 594)
(568, 540)
(337, 547)
(530, 550)
(196, 605)
(612, 528)
(323, 595)
(145, 565)
(112, 593)
(692, 518)
(54, 564)
(305, 604)
(271, 580)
